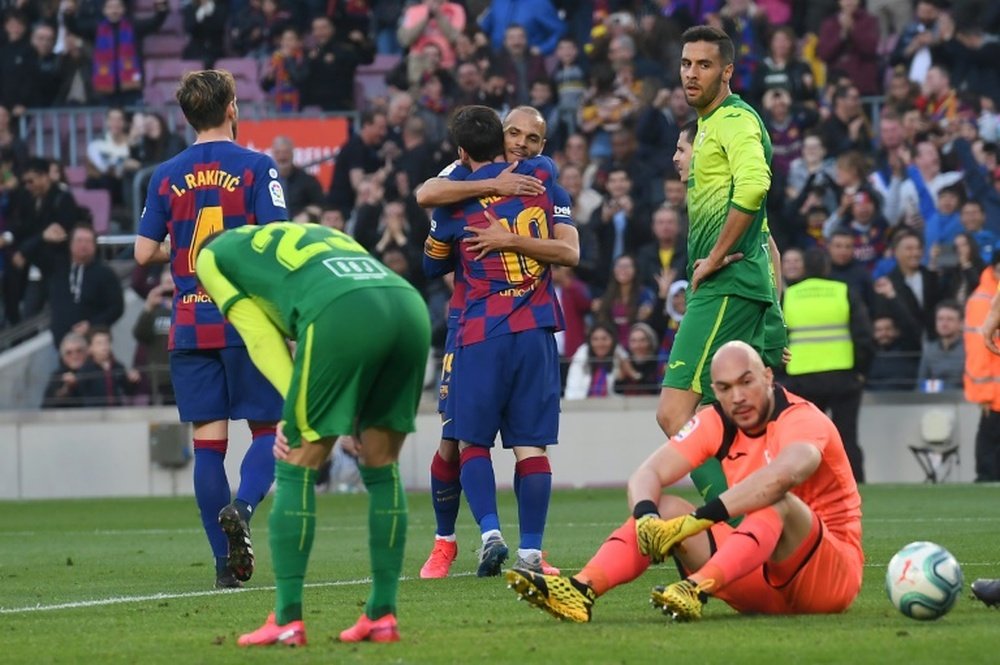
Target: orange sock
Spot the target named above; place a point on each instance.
(618, 561)
(748, 547)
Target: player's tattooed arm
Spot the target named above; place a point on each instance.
(439, 191)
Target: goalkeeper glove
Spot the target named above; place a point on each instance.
(658, 537)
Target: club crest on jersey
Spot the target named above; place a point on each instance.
(277, 193)
(689, 427)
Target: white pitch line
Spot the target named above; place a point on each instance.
(119, 600)
(360, 527)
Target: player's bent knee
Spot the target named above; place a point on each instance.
(311, 454)
(674, 506)
(448, 450)
(527, 452)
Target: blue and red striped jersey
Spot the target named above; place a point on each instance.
(207, 188)
(457, 171)
(506, 292)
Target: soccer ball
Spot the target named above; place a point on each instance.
(923, 581)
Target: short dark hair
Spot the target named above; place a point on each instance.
(37, 165)
(368, 116)
(975, 202)
(706, 33)
(816, 262)
(948, 303)
(204, 97)
(906, 233)
(958, 189)
(477, 130)
(690, 130)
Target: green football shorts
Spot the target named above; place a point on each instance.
(775, 336)
(708, 323)
(359, 364)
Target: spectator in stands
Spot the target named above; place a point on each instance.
(625, 155)
(889, 168)
(786, 127)
(938, 101)
(277, 19)
(973, 219)
(332, 218)
(584, 199)
(924, 178)
(747, 27)
(570, 77)
(812, 173)
(848, 43)
(625, 301)
(301, 188)
(104, 381)
(400, 107)
(359, 157)
(593, 369)
(150, 144)
(917, 288)
(84, 292)
(943, 359)
(897, 356)
(332, 64)
(539, 19)
(77, 86)
(469, 84)
(63, 388)
(913, 48)
(247, 30)
(205, 23)
(793, 268)
(622, 55)
(783, 69)
(284, 75)
(941, 226)
(620, 225)
(420, 159)
(972, 56)
(666, 253)
(433, 106)
(675, 196)
(577, 153)
(394, 232)
(106, 155)
(152, 332)
(604, 110)
(638, 370)
(518, 65)
(844, 267)
(46, 68)
(433, 21)
(17, 89)
(13, 149)
(959, 281)
(847, 127)
(574, 298)
(901, 93)
(39, 226)
(117, 57)
(656, 137)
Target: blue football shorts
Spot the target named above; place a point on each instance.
(222, 384)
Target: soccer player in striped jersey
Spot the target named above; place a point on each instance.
(524, 138)
(505, 375)
(212, 186)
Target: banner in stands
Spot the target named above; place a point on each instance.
(314, 139)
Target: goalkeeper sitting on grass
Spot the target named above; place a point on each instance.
(798, 548)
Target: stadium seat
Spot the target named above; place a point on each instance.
(163, 46)
(939, 456)
(76, 175)
(247, 76)
(98, 201)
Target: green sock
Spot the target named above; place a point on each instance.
(387, 517)
(292, 525)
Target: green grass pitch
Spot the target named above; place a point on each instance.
(129, 580)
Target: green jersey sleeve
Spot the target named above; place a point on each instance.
(741, 136)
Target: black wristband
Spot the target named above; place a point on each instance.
(646, 507)
(714, 510)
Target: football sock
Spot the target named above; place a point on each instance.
(480, 487)
(292, 526)
(257, 470)
(446, 493)
(533, 493)
(617, 561)
(387, 518)
(211, 491)
(746, 548)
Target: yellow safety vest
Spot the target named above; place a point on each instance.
(818, 315)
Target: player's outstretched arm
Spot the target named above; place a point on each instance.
(562, 249)
(441, 191)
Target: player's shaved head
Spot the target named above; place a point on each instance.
(523, 133)
(744, 387)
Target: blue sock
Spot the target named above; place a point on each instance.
(480, 487)
(256, 472)
(517, 485)
(534, 491)
(211, 490)
(446, 493)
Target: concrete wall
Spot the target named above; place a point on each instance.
(107, 452)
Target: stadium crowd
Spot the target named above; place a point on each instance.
(883, 118)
